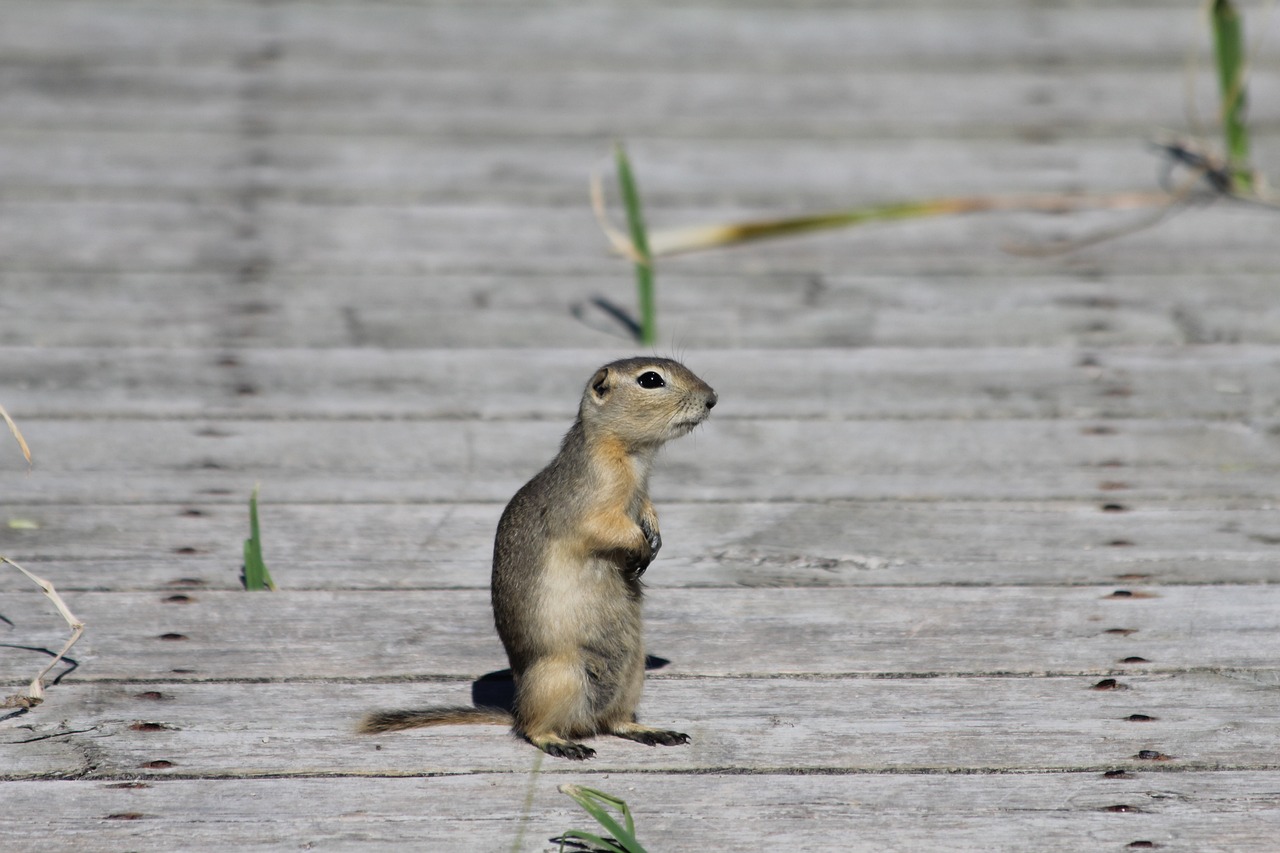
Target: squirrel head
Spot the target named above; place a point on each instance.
(645, 402)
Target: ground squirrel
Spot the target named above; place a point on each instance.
(567, 561)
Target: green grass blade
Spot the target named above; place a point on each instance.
(1228, 39)
(607, 821)
(600, 843)
(256, 575)
(640, 241)
(594, 802)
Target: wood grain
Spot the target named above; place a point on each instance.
(730, 544)
(1024, 631)
(895, 812)
(742, 725)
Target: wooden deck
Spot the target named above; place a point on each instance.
(344, 250)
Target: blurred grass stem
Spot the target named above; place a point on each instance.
(642, 258)
(1228, 41)
(256, 576)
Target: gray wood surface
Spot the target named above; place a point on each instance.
(719, 544)
(362, 460)
(351, 241)
(860, 630)
(979, 550)
(784, 309)
(898, 812)
(988, 383)
(854, 725)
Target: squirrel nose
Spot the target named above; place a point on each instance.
(711, 400)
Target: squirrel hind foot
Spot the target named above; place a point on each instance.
(650, 736)
(560, 748)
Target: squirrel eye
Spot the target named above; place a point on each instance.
(650, 380)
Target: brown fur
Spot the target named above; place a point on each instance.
(570, 550)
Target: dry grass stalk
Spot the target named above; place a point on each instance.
(34, 694)
(17, 433)
(676, 241)
(620, 242)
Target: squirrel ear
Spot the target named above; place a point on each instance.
(600, 382)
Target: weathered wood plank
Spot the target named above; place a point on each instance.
(90, 165)
(696, 311)
(864, 630)
(872, 813)
(26, 754)
(449, 546)
(683, 37)
(913, 725)
(147, 461)
(1037, 106)
(175, 236)
(1213, 382)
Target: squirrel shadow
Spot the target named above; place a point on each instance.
(498, 689)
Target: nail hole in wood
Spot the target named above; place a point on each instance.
(1130, 593)
(151, 727)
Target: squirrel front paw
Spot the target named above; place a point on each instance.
(641, 558)
(650, 531)
(638, 561)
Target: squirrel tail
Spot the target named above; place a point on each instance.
(392, 721)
